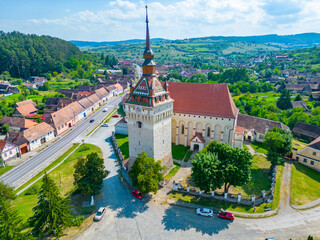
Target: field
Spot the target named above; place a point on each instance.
(123, 144)
(5, 169)
(259, 147)
(179, 151)
(24, 203)
(305, 184)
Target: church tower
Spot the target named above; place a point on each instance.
(149, 111)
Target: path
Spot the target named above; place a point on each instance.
(284, 203)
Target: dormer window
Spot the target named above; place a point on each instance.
(139, 124)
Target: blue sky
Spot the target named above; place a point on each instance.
(111, 20)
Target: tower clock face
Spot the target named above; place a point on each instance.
(138, 109)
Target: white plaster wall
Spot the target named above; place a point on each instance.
(198, 123)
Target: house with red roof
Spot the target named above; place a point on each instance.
(8, 150)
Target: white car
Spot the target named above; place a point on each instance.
(105, 110)
(99, 214)
(105, 125)
(205, 212)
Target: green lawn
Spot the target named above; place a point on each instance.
(186, 159)
(172, 172)
(123, 143)
(24, 203)
(276, 195)
(179, 151)
(245, 147)
(5, 169)
(257, 146)
(305, 184)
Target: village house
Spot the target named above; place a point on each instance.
(306, 131)
(301, 104)
(256, 128)
(121, 127)
(38, 135)
(119, 88)
(8, 150)
(96, 102)
(112, 90)
(17, 123)
(87, 105)
(25, 108)
(55, 104)
(309, 155)
(102, 93)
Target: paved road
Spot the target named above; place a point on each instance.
(130, 218)
(23, 172)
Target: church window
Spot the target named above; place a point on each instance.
(216, 118)
(208, 132)
(139, 143)
(182, 129)
(139, 124)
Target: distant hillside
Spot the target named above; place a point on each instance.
(25, 55)
(283, 41)
(102, 44)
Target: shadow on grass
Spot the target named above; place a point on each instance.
(313, 174)
(260, 181)
(180, 219)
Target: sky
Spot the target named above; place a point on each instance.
(113, 20)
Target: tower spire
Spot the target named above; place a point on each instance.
(148, 53)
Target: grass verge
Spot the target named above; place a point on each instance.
(277, 189)
(259, 147)
(218, 204)
(123, 143)
(172, 172)
(5, 169)
(179, 151)
(24, 203)
(305, 184)
(105, 120)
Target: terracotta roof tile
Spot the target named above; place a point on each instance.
(26, 102)
(2, 144)
(94, 98)
(37, 131)
(17, 122)
(198, 135)
(118, 86)
(85, 103)
(239, 130)
(26, 109)
(202, 99)
(102, 92)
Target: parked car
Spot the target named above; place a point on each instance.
(226, 215)
(99, 214)
(137, 194)
(105, 125)
(205, 212)
(115, 116)
(105, 110)
(91, 120)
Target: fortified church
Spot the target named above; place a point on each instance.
(189, 114)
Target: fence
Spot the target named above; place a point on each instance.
(254, 200)
(122, 171)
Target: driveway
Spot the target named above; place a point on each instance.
(130, 218)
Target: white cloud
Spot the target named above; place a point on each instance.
(189, 18)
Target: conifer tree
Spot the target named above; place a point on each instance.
(10, 221)
(52, 213)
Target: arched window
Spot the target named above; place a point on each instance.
(182, 129)
(208, 132)
(139, 124)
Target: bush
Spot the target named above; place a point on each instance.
(77, 221)
(32, 190)
(84, 148)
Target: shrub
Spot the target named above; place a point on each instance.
(32, 190)
(77, 221)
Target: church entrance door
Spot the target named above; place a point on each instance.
(196, 147)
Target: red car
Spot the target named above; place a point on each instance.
(226, 215)
(137, 194)
(115, 116)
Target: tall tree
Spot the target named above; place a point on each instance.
(278, 143)
(89, 174)
(284, 102)
(10, 221)
(206, 172)
(52, 214)
(235, 164)
(146, 173)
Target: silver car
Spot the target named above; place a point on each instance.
(99, 214)
(205, 212)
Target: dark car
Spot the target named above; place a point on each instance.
(226, 215)
(91, 120)
(137, 194)
(115, 116)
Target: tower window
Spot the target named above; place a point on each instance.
(182, 129)
(208, 132)
(139, 124)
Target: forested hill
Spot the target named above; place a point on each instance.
(31, 55)
(281, 41)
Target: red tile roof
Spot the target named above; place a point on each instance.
(26, 109)
(37, 131)
(239, 130)
(198, 135)
(202, 99)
